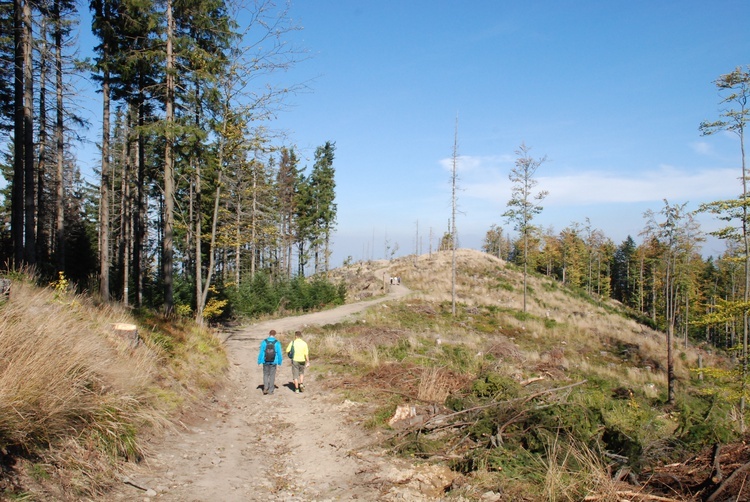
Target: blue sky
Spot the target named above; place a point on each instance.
(611, 92)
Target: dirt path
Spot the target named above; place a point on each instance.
(284, 446)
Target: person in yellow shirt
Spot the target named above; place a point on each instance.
(298, 351)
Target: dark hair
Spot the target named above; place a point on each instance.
(297, 333)
(272, 332)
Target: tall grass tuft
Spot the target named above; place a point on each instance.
(74, 395)
(571, 471)
(434, 385)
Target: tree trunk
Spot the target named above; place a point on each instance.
(125, 219)
(237, 247)
(42, 242)
(60, 150)
(168, 251)
(139, 213)
(211, 247)
(670, 317)
(17, 202)
(454, 204)
(198, 252)
(198, 220)
(253, 217)
(746, 297)
(29, 248)
(104, 202)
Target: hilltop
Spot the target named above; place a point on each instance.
(590, 332)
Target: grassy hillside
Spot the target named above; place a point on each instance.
(77, 398)
(562, 402)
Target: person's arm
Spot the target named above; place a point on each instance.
(262, 351)
(279, 354)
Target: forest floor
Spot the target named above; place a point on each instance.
(287, 446)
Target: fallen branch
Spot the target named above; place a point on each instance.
(499, 403)
(524, 383)
(438, 422)
(132, 483)
(727, 482)
(716, 474)
(621, 493)
(404, 395)
(618, 458)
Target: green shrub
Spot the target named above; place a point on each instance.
(622, 443)
(495, 386)
(400, 351)
(522, 316)
(504, 285)
(418, 445)
(261, 296)
(550, 286)
(705, 419)
(457, 357)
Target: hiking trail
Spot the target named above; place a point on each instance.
(293, 447)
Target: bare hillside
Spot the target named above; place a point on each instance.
(590, 328)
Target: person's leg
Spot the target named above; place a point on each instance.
(271, 377)
(266, 377)
(295, 375)
(301, 375)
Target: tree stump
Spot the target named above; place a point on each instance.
(5, 285)
(128, 332)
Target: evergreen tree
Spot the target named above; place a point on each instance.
(624, 277)
(323, 195)
(288, 186)
(6, 66)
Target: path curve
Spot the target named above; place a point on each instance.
(285, 446)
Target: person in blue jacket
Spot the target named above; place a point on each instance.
(270, 357)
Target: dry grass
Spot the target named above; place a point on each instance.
(574, 470)
(75, 396)
(584, 330)
(57, 367)
(415, 351)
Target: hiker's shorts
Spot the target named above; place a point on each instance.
(298, 368)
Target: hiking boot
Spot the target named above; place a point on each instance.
(301, 388)
(296, 390)
(265, 392)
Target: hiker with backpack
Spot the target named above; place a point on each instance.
(269, 357)
(300, 355)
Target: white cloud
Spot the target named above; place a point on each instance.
(477, 163)
(489, 181)
(702, 148)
